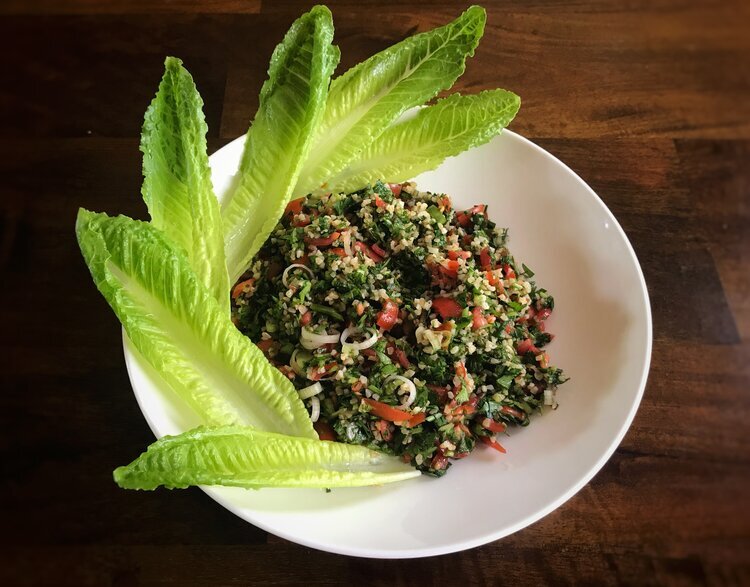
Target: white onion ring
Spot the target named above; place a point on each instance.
(310, 390)
(311, 341)
(346, 237)
(315, 413)
(359, 346)
(294, 363)
(412, 389)
(295, 266)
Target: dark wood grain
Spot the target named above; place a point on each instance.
(648, 101)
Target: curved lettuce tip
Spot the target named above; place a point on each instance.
(292, 101)
(419, 144)
(368, 98)
(182, 331)
(244, 457)
(177, 184)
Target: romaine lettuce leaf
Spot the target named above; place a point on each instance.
(365, 100)
(181, 330)
(177, 179)
(244, 457)
(292, 101)
(423, 142)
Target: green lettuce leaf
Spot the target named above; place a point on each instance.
(365, 100)
(243, 457)
(292, 101)
(423, 142)
(177, 179)
(181, 330)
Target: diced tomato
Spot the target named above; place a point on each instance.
(305, 319)
(316, 374)
(460, 369)
(526, 346)
(360, 308)
(294, 207)
(455, 255)
(461, 455)
(463, 219)
(478, 320)
(449, 267)
(324, 241)
(379, 251)
(484, 259)
(360, 246)
(445, 202)
(511, 411)
(478, 209)
(467, 239)
(508, 328)
(492, 426)
(265, 345)
(357, 386)
(416, 419)
(300, 220)
(493, 279)
(243, 287)
(439, 461)
(338, 251)
(386, 412)
(304, 260)
(492, 443)
(395, 188)
(543, 314)
(380, 202)
(440, 390)
(288, 372)
(399, 355)
(324, 430)
(508, 272)
(544, 360)
(388, 316)
(370, 354)
(447, 307)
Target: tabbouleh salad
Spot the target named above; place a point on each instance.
(405, 325)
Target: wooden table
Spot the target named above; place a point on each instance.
(649, 101)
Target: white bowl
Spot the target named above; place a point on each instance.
(602, 321)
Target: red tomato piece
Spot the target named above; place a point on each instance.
(508, 272)
(295, 206)
(324, 241)
(378, 250)
(513, 412)
(455, 255)
(395, 188)
(362, 247)
(386, 412)
(338, 251)
(305, 319)
(439, 461)
(447, 307)
(478, 319)
(242, 287)
(324, 430)
(526, 346)
(492, 443)
(543, 314)
(484, 259)
(387, 317)
(399, 355)
(265, 345)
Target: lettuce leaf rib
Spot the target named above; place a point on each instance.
(177, 178)
(292, 101)
(412, 146)
(244, 457)
(181, 330)
(365, 100)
